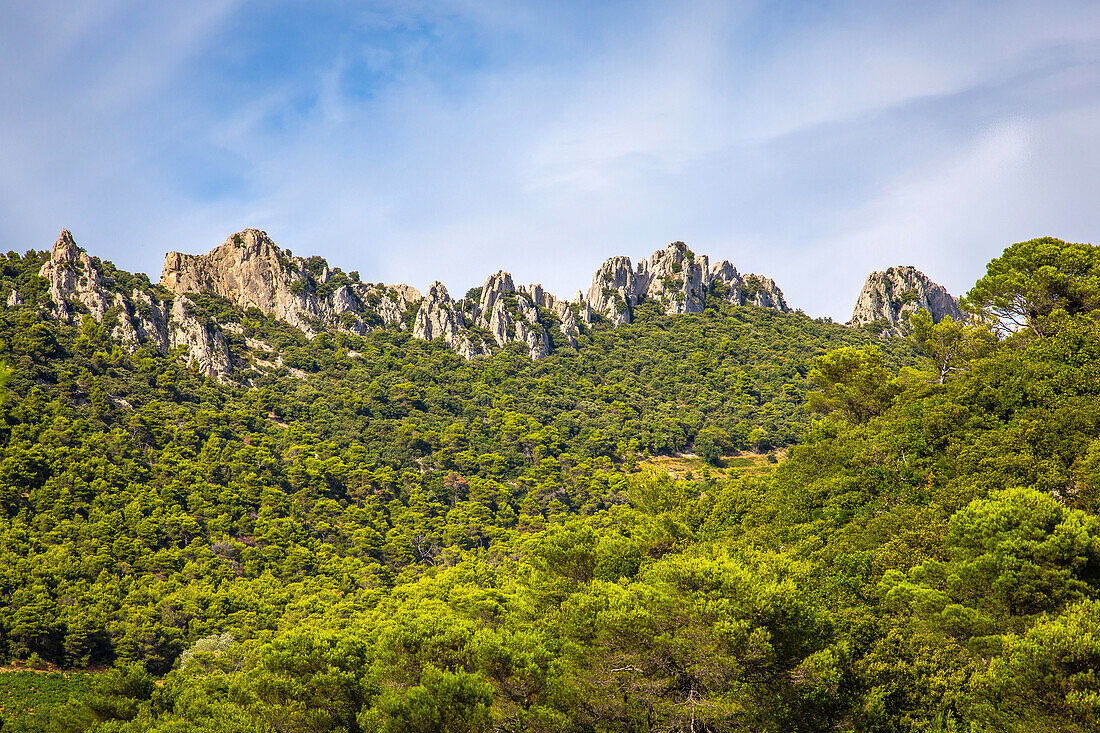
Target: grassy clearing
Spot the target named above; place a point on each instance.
(691, 466)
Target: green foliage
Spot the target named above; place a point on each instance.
(853, 383)
(1034, 280)
(950, 346)
(1048, 678)
(30, 701)
(400, 540)
(443, 702)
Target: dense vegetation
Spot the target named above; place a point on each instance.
(403, 541)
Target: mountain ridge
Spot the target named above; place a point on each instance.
(250, 270)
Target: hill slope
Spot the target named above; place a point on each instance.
(396, 538)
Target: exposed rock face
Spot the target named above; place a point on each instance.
(763, 293)
(675, 278)
(891, 296)
(560, 308)
(439, 318)
(680, 281)
(253, 272)
(614, 290)
(204, 344)
(512, 316)
(78, 285)
(74, 276)
(248, 270)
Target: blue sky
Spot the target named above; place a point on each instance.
(414, 141)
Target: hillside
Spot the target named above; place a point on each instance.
(373, 532)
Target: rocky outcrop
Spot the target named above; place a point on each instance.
(889, 297)
(250, 271)
(675, 278)
(202, 343)
(512, 316)
(560, 308)
(614, 290)
(762, 292)
(679, 281)
(439, 318)
(79, 285)
(75, 278)
(253, 272)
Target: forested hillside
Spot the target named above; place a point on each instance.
(383, 536)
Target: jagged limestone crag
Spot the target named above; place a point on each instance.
(511, 315)
(502, 314)
(78, 285)
(253, 272)
(680, 281)
(889, 297)
(250, 271)
(438, 317)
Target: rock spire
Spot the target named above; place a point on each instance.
(679, 281)
(889, 297)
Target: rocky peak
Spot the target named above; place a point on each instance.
(65, 249)
(251, 271)
(890, 296)
(77, 285)
(614, 290)
(676, 279)
(763, 293)
(512, 320)
(498, 284)
(74, 279)
(439, 318)
(680, 281)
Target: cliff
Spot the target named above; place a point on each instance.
(252, 272)
(889, 297)
(80, 285)
(680, 281)
(249, 271)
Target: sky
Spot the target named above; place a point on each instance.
(413, 141)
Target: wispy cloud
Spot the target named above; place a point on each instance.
(415, 141)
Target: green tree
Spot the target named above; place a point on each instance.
(1048, 678)
(1031, 281)
(443, 702)
(853, 383)
(949, 345)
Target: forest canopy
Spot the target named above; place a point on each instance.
(396, 539)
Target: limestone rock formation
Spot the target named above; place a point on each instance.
(79, 284)
(888, 297)
(560, 308)
(205, 345)
(614, 290)
(439, 318)
(763, 293)
(74, 277)
(678, 280)
(253, 272)
(511, 315)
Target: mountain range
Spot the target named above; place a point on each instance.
(251, 272)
